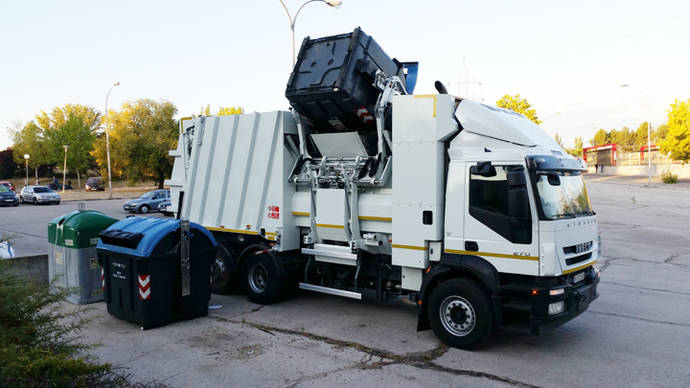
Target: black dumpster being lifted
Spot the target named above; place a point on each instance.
(156, 270)
(332, 82)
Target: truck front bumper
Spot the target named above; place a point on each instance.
(575, 297)
(532, 304)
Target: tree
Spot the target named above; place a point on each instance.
(600, 138)
(660, 133)
(77, 134)
(625, 139)
(519, 105)
(559, 140)
(577, 150)
(142, 133)
(30, 139)
(641, 135)
(677, 140)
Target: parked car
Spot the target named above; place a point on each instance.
(163, 207)
(95, 183)
(7, 196)
(146, 202)
(9, 185)
(38, 194)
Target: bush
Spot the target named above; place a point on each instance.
(669, 177)
(38, 345)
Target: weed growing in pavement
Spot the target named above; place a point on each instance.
(669, 177)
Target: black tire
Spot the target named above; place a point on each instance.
(16, 204)
(223, 269)
(35, 202)
(144, 209)
(261, 278)
(466, 308)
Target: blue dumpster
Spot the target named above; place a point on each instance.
(157, 271)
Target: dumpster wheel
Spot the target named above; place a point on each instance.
(223, 268)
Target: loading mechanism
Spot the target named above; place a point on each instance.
(349, 173)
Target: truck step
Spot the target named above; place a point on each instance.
(335, 254)
(517, 305)
(330, 291)
(521, 328)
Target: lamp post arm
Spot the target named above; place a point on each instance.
(287, 12)
(300, 9)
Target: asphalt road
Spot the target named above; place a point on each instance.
(28, 224)
(636, 334)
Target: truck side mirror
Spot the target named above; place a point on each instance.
(484, 169)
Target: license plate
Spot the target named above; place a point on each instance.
(579, 277)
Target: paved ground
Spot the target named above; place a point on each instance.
(636, 334)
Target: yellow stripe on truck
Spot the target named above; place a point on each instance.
(490, 254)
(412, 247)
(567, 271)
(233, 230)
(330, 226)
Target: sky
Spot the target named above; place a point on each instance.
(569, 59)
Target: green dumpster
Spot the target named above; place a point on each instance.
(72, 258)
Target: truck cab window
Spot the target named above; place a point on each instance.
(499, 206)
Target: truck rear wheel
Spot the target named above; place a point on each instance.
(459, 312)
(262, 281)
(222, 271)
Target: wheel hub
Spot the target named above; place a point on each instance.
(257, 278)
(457, 315)
(218, 269)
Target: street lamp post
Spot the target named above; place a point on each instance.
(64, 169)
(26, 165)
(649, 138)
(330, 3)
(107, 139)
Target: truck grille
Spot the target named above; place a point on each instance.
(578, 248)
(577, 259)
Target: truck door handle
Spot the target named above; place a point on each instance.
(471, 246)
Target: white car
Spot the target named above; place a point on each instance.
(38, 194)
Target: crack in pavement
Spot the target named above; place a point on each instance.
(639, 318)
(645, 288)
(421, 360)
(23, 233)
(608, 260)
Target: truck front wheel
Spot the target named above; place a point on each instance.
(459, 312)
(262, 281)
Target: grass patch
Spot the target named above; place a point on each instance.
(38, 340)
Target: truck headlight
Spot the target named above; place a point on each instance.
(556, 307)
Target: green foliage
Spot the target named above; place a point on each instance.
(559, 140)
(78, 136)
(641, 135)
(676, 143)
(600, 138)
(669, 177)
(141, 135)
(30, 139)
(577, 150)
(519, 105)
(660, 133)
(38, 346)
(625, 139)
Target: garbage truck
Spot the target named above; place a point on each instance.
(365, 190)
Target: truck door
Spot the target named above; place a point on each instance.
(500, 222)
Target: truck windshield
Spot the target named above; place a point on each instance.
(563, 194)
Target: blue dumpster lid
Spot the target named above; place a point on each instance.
(148, 232)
